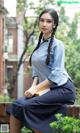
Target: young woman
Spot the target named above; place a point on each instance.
(48, 72)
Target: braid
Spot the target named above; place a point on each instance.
(40, 37)
(49, 47)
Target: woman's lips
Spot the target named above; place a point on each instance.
(44, 29)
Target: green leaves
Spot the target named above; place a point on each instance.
(26, 130)
(65, 124)
(21, 5)
(5, 99)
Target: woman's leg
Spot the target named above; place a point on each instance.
(15, 125)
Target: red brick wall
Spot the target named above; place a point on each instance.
(27, 76)
(12, 63)
(1, 51)
(13, 31)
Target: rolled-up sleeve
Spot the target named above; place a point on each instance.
(34, 72)
(57, 66)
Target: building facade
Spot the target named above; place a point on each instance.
(11, 48)
(1, 46)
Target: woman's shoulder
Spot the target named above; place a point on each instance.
(57, 43)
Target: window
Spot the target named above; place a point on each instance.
(10, 42)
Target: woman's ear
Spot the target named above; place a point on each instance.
(53, 26)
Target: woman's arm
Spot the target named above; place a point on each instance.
(44, 85)
(35, 81)
(30, 92)
(36, 88)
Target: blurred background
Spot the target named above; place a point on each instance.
(18, 22)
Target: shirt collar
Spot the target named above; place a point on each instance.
(45, 40)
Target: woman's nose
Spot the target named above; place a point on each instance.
(44, 23)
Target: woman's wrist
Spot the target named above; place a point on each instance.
(34, 87)
(35, 81)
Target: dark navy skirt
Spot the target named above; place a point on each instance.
(39, 111)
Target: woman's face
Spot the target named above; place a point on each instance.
(46, 24)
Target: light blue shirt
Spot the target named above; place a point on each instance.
(55, 71)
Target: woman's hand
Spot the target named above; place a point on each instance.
(31, 91)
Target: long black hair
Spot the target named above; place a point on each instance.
(55, 18)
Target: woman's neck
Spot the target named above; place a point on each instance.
(45, 36)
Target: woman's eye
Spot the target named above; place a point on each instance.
(49, 21)
(41, 20)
